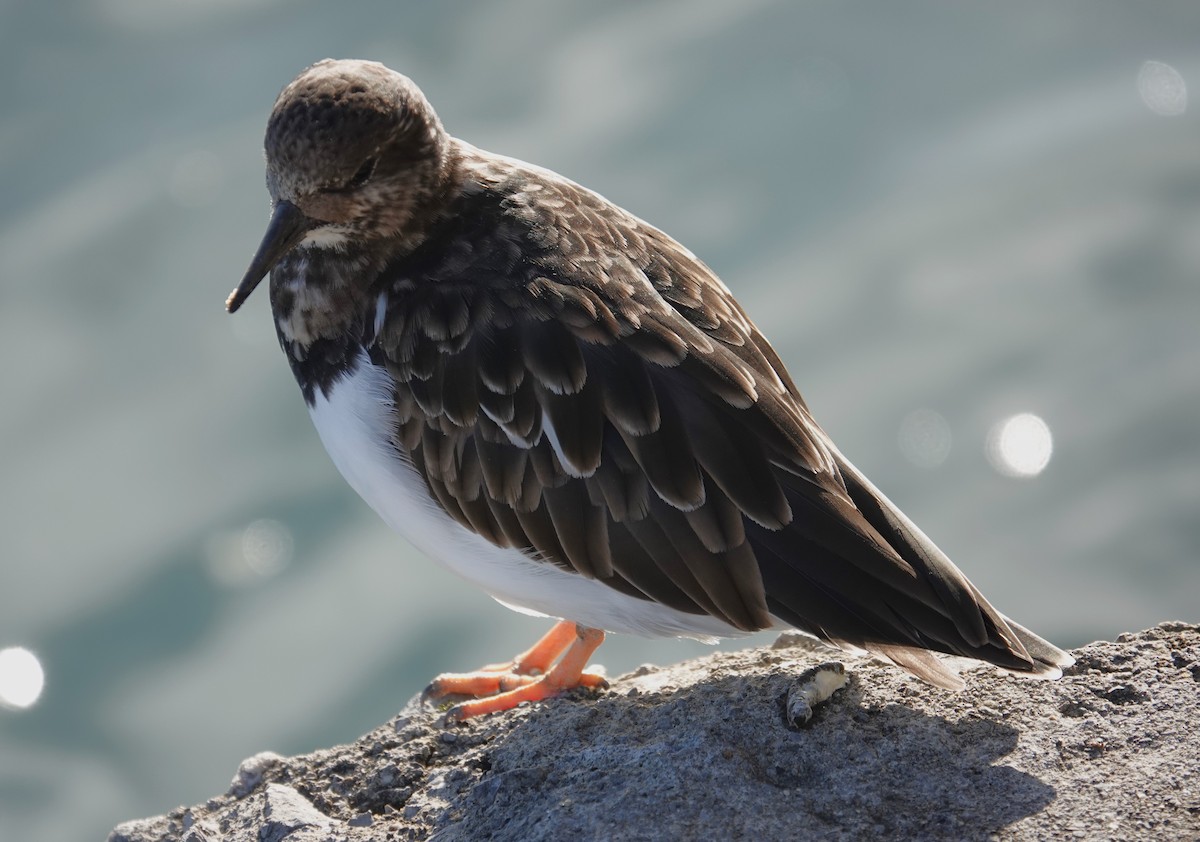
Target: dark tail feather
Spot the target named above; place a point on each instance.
(1049, 660)
(1045, 659)
(920, 662)
(865, 576)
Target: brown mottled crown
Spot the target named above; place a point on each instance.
(342, 118)
(329, 108)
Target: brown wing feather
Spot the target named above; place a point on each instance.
(588, 391)
(587, 432)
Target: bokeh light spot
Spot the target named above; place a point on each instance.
(924, 438)
(1020, 446)
(21, 677)
(267, 547)
(259, 551)
(1162, 88)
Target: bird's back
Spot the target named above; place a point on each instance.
(573, 383)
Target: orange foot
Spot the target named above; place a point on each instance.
(529, 678)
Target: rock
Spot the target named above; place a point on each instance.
(251, 770)
(703, 749)
(286, 814)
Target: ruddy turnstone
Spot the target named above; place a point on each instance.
(566, 407)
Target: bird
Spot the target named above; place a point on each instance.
(567, 408)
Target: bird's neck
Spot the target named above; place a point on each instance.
(323, 288)
(319, 291)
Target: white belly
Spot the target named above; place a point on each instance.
(354, 425)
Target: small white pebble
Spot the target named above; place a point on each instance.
(813, 687)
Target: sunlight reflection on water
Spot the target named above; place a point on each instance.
(1162, 88)
(21, 677)
(261, 550)
(924, 438)
(1020, 446)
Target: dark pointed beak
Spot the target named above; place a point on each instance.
(287, 227)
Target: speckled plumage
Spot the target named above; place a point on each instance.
(573, 385)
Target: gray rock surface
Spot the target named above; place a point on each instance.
(702, 750)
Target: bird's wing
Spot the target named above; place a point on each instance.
(573, 381)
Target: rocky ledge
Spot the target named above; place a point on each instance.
(704, 750)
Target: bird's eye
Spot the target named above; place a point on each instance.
(364, 173)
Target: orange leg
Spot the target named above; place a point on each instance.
(497, 678)
(530, 676)
(537, 658)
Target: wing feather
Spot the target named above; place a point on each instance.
(572, 382)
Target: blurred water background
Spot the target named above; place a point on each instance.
(944, 215)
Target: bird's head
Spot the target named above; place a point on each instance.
(353, 151)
